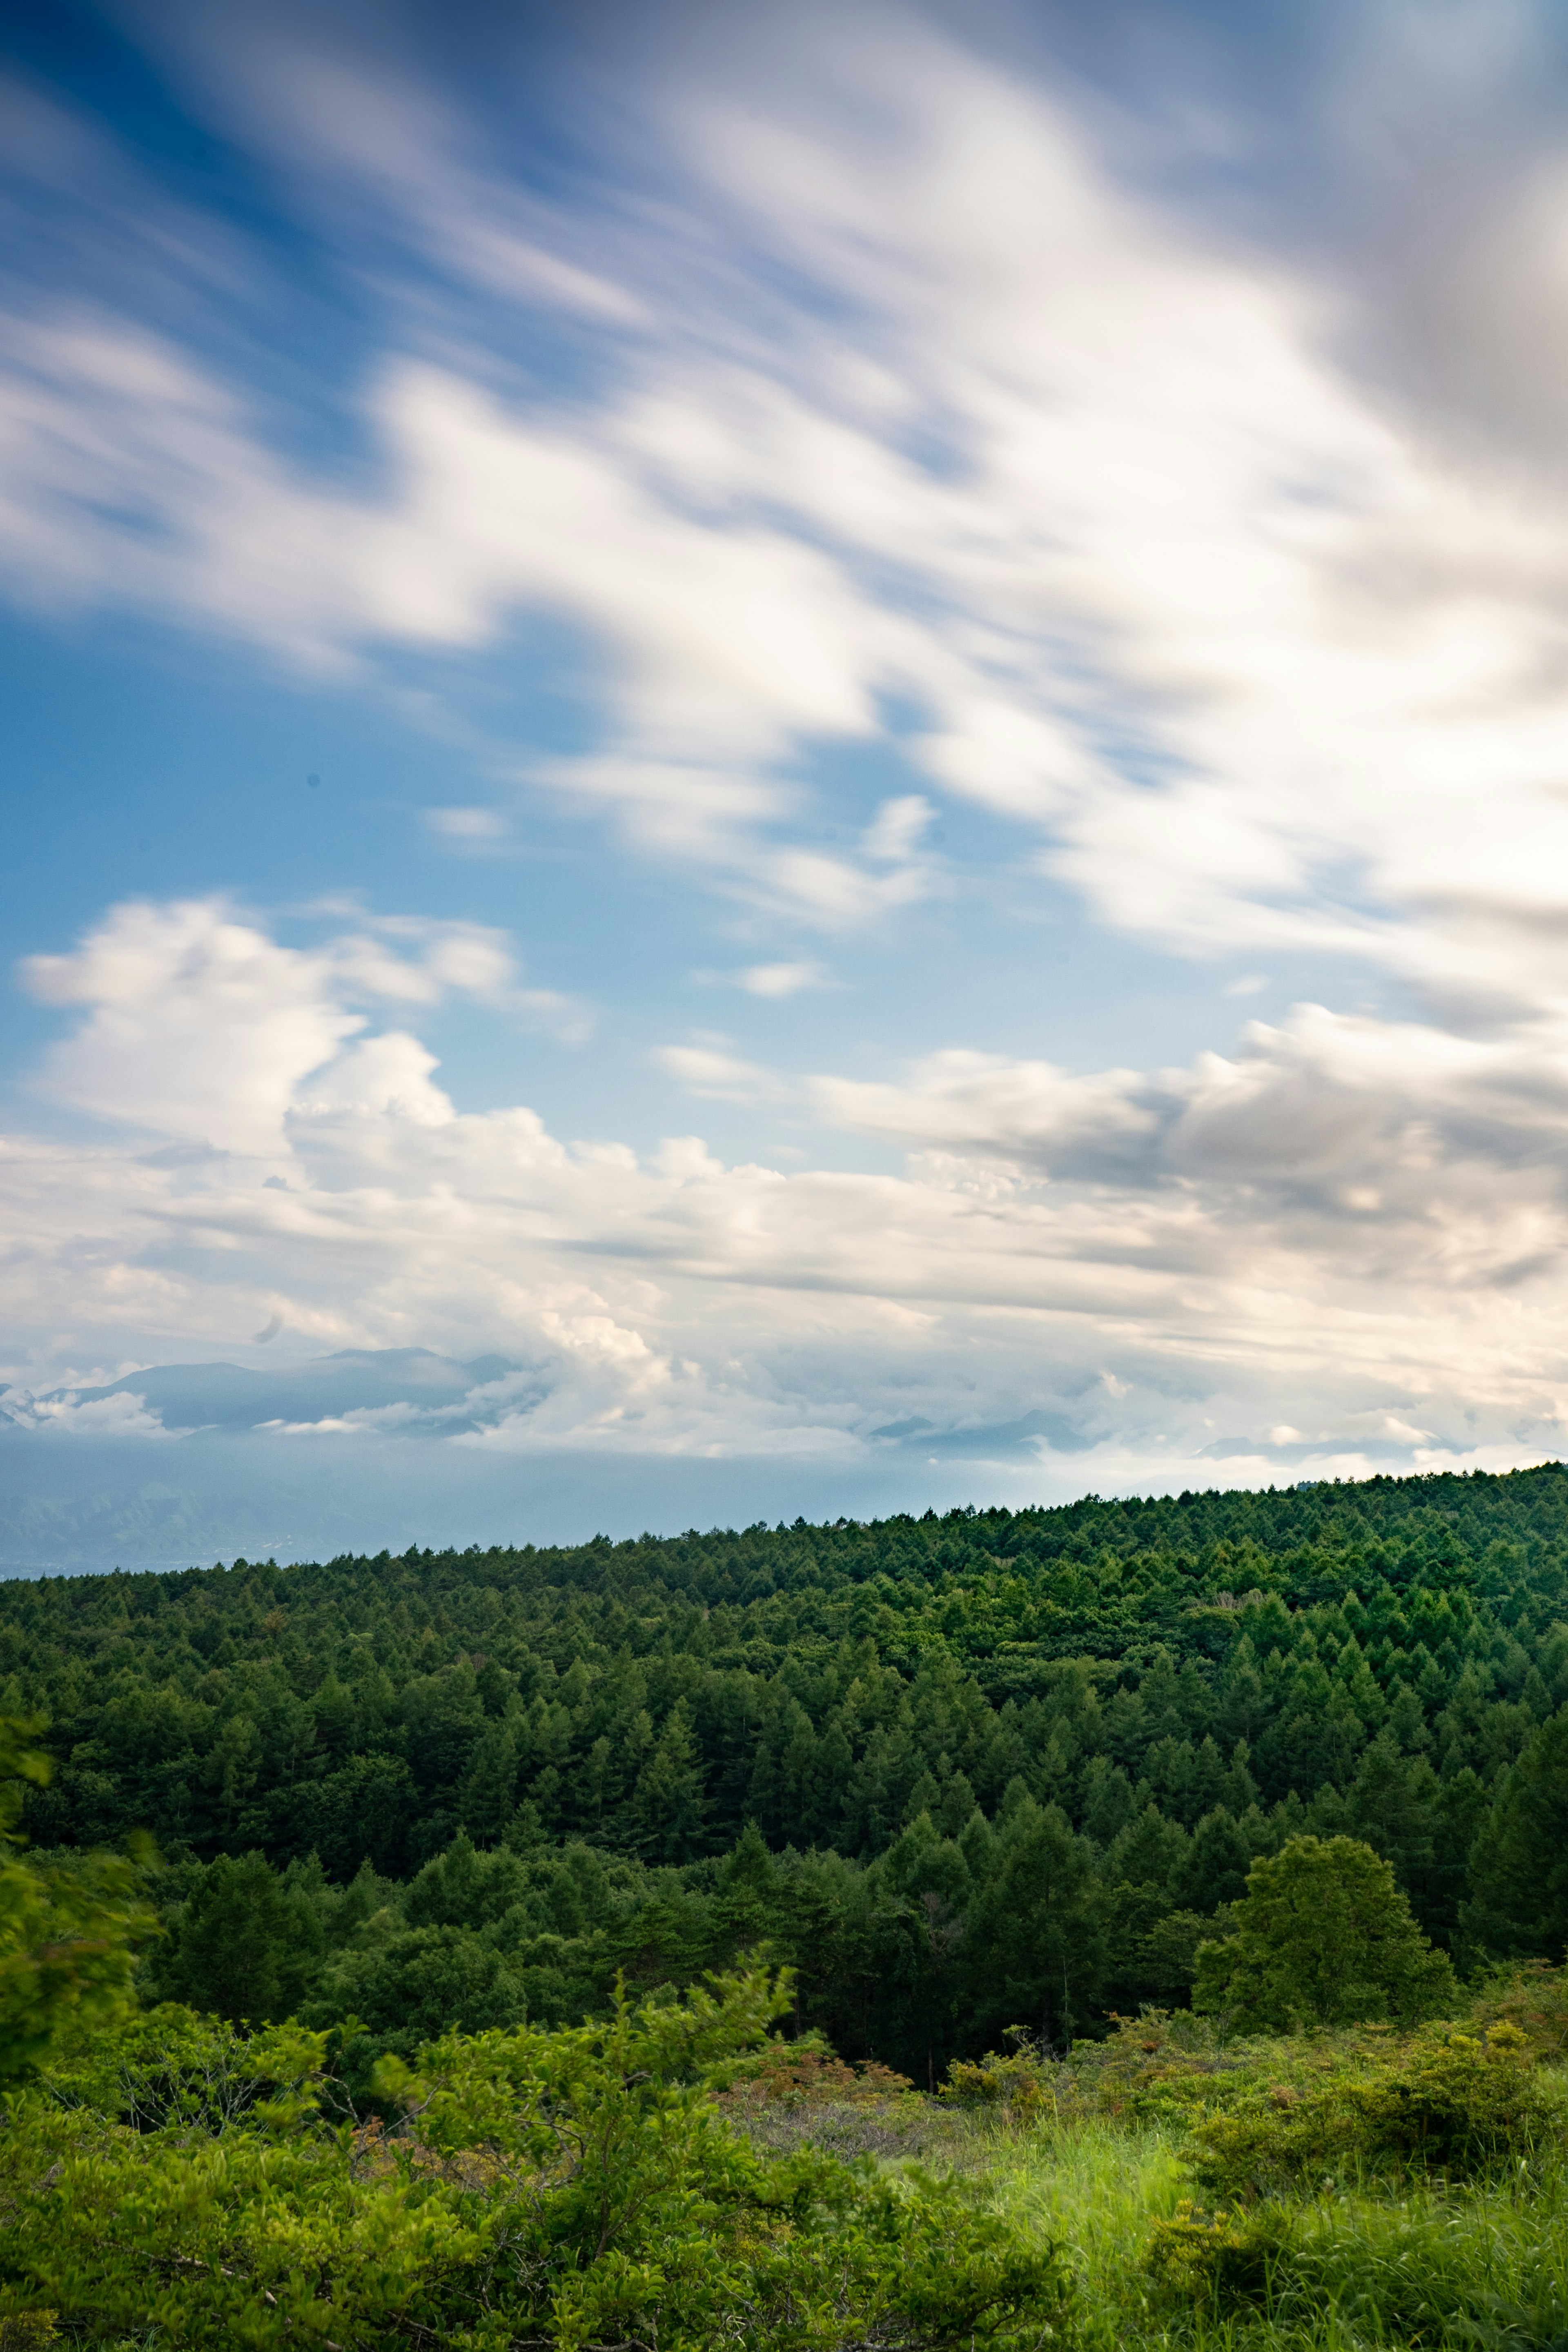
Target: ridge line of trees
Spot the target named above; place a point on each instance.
(966, 1771)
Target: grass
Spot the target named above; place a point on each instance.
(1097, 2187)
(1423, 2263)
(1376, 2243)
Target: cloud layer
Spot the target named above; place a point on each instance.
(1351, 1233)
(914, 406)
(888, 452)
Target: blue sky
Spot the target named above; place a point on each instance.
(842, 729)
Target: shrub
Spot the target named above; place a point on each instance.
(798, 2092)
(1219, 2258)
(574, 2190)
(1458, 2104)
(28, 2331)
(1156, 2067)
(1532, 1995)
(1454, 2104)
(1023, 2087)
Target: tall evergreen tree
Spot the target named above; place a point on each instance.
(1520, 1867)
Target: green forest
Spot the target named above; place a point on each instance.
(961, 1772)
(989, 1823)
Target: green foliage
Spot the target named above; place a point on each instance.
(28, 2331)
(245, 1944)
(68, 1930)
(959, 1772)
(1217, 2259)
(964, 1774)
(1519, 1903)
(1391, 2251)
(1322, 1934)
(1021, 2084)
(1453, 2102)
(1458, 2104)
(576, 2189)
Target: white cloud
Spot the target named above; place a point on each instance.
(122, 1415)
(1453, 1145)
(1259, 659)
(200, 1024)
(469, 824)
(1132, 1269)
(709, 1069)
(912, 430)
(1234, 634)
(781, 980)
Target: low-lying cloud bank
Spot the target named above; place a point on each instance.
(1340, 1249)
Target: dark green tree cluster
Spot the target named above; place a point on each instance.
(964, 1772)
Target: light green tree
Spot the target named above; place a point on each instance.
(68, 1930)
(574, 2190)
(1322, 1936)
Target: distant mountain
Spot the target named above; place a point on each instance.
(354, 1381)
(344, 1452)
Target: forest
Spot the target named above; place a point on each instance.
(959, 1772)
(1140, 1921)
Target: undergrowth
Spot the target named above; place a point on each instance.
(1341, 2192)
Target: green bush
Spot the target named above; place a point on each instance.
(1219, 2258)
(1454, 2103)
(572, 2191)
(28, 2331)
(1022, 2087)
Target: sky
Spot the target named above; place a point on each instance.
(775, 760)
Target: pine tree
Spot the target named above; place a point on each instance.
(244, 1945)
(670, 1807)
(1519, 1866)
(486, 1793)
(1216, 1864)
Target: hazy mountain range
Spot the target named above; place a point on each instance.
(370, 1448)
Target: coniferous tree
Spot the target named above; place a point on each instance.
(244, 1945)
(1521, 1862)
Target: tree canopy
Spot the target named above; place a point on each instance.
(68, 1930)
(1321, 1936)
(962, 1773)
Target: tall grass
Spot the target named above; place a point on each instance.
(1424, 2265)
(1353, 2191)
(1097, 2188)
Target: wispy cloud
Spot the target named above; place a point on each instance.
(1096, 498)
(709, 1069)
(781, 980)
(1169, 584)
(888, 448)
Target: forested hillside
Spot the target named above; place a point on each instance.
(964, 1772)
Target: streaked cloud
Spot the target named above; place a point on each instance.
(1171, 586)
(926, 498)
(708, 1068)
